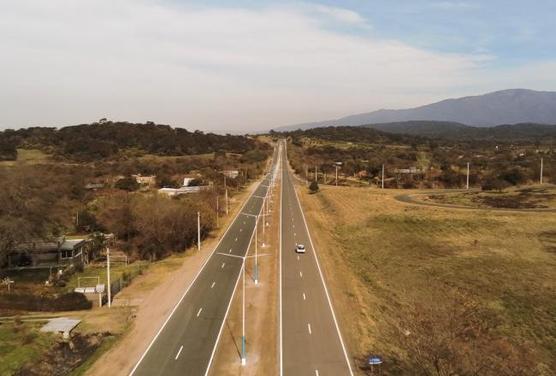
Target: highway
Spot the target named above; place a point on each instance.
(186, 342)
(310, 339)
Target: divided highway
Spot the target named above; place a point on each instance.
(310, 343)
(186, 343)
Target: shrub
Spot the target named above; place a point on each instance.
(72, 301)
(314, 187)
(494, 184)
(127, 184)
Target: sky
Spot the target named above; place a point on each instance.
(244, 66)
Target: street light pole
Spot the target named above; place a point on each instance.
(243, 354)
(257, 251)
(336, 175)
(383, 176)
(199, 231)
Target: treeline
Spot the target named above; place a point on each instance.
(106, 139)
(524, 132)
(352, 134)
(436, 162)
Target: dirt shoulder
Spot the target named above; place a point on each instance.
(152, 296)
(261, 311)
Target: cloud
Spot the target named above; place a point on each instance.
(213, 68)
(455, 5)
(340, 14)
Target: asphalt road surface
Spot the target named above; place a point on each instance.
(186, 343)
(310, 342)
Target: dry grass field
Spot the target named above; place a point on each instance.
(529, 197)
(438, 291)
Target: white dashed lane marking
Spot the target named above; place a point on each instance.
(309, 328)
(304, 297)
(199, 311)
(179, 352)
(222, 267)
(213, 283)
(300, 274)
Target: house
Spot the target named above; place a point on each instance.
(232, 174)
(46, 254)
(94, 186)
(184, 190)
(411, 170)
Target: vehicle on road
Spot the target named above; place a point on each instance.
(299, 248)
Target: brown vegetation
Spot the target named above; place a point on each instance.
(438, 291)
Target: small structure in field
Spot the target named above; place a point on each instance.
(61, 325)
(145, 181)
(232, 174)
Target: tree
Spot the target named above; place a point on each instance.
(314, 187)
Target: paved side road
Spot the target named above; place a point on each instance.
(186, 343)
(311, 342)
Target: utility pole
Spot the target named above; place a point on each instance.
(383, 176)
(243, 355)
(199, 231)
(540, 179)
(226, 193)
(316, 176)
(336, 175)
(467, 185)
(109, 287)
(217, 210)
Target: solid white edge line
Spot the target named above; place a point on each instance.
(232, 297)
(324, 283)
(191, 284)
(281, 344)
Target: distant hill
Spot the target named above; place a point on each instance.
(458, 131)
(502, 107)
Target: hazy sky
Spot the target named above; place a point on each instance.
(238, 66)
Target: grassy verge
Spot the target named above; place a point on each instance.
(438, 291)
(20, 344)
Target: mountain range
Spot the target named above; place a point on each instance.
(501, 107)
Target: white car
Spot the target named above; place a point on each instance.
(299, 248)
